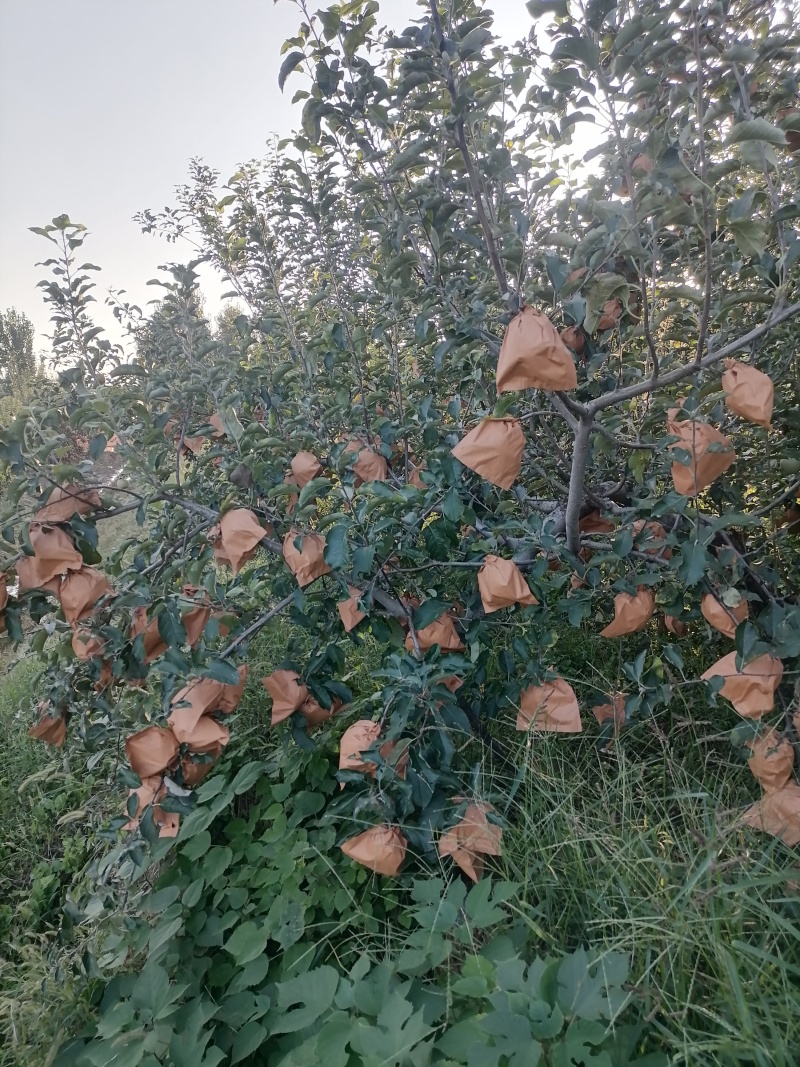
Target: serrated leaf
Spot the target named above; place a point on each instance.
(756, 130)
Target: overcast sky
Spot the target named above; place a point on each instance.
(104, 102)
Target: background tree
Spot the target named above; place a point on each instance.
(17, 361)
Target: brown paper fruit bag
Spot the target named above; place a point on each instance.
(151, 791)
(574, 337)
(705, 466)
(215, 421)
(314, 713)
(287, 692)
(370, 467)
(151, 751)
(652, 535)
(206, 736)
(80, 591)
(28, 577)
(595, 523)
(533, 356)
(305, 468)
(493, 449)
(551, 706)
(676, 626)
(193, 771)
(85, 644)
(232, 694)
(501, 584)
(381, 848)
(355, 740)
(615, 710)
(771, 761)
(349, 611)
(632, 612)
(751, 690)
(308, 563)
(750, 392)
(65, 501)
(720, 616)
(471, 839)
(154, 645)
(50, 728)
(236, 538)
(441, 632)
(195, 613)
(53, 552)
(778, 814)
(200, 697)
(415, 476)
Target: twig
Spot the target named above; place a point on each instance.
(259, 624)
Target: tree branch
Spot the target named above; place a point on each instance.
(580, 456)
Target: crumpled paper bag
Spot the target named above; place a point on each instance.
(771, 760)
(193, 771)
(195, 613)
(206, 736)
(441, 632)
(676, 626)
(349, 611)
(573, 336)
(287, 692)
(493, 449)
(79, 592)
(370, 467)
(314, 713)
(750, 392)
(612, 313)
(751, 691)
(551, 706)
(151, 751)
(85, 644)
(355, 740)
(501, 583)
(236, 538)
(653, 535)
(415, 476)
(232, 694)
(381, 848)
(595, 523)
(615, 710)
(200, 697)
(53, 552)
(720, 616)
(50, 728)
(154, 645)
(65, 501)
(533, 356)
(305, 468)
(778, 814)
(28, 577)
(215, 421)
(632, 612)
(149, 793)
(471, 839)
(308, 563)
(705, 466)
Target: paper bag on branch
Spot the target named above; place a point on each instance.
(594, 523)
(533, 356)
(293, 498)
(314, 713)
(349, 611)
(200, 697)
(493, 449)
(355, 740)
(370, 467)
(215, 421)
(751, 690)
(574, 337)
(65, 501)
(452, 682)
(232, 693)
(415, 476)
(615, 710)
(207, 736)
(720, 616)
(53, 552)
(632, 612)
(196, 614)
(50, 728)
(193, 771)
(307, 563)
(381, 848)
(151, 751)
(148, 794)
(778, 814)
(676, 626)
(80, 591)
(85, 644)
(28, 577)
(551, 706)
(287, 692)
(305, 468)
(154, 645)
(711, 453)
(441, 632)
(471, 839)
(654, 537)
(236, 538)
(750, 392)
(771, 761)
(501, 583)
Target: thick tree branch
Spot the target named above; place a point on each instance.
(580, 456)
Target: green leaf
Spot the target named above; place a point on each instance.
(250, 1038)
(171, 628)
(756, 130)
(429, 611)
(692, 562)
(750, 236)
(247, 942)
(592, 989)
(291, 63)
(313, 991)
(452, 506)
(336, 546)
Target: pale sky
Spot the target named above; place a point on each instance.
(104, 102)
